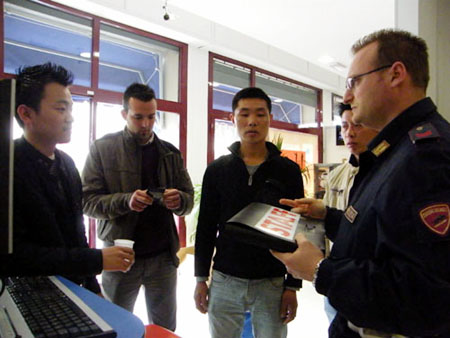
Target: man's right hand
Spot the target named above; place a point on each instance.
(140, 200)
(117, 258)
(308, 207)
(201, 297)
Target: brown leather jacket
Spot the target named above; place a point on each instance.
(113, 172)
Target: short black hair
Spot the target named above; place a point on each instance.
(342, 107)
(139, 91)
(251, 93)
(31, 82)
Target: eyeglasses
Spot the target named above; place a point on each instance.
(350, 82)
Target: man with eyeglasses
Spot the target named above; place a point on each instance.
(388, 272)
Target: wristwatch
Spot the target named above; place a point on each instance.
(316, 270)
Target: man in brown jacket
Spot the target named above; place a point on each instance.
(133, 183)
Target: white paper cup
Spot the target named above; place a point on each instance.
(124, 242)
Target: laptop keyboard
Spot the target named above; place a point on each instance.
(48, 311)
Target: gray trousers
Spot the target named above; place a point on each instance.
(158, 275)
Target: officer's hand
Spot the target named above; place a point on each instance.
(308, 207)
(201, 297)
(289, 305)
(140, 200)
(302, 262)
(172, 199)
(117, 258)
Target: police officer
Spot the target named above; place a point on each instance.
(388, 274)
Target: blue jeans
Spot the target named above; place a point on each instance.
(329, 309)
(158, 275)
(230, 297)
(248, 330)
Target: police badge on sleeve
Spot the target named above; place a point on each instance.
(437, 218)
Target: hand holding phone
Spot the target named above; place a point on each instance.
(156, 194)
(139, 200)
(172, 199)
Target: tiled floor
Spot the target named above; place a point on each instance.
(311, 321)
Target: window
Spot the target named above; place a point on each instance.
(110, 120)
(224, 135)
(228, 80)
(78, 147)
(36, 34)
(295, 108)
(291, 102)
(336, 118)
(127, 57)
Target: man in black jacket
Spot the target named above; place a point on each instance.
(49, 234)
(245, 277)
(388, 272)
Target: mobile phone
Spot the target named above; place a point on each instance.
(156, 193)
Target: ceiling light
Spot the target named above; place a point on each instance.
(278, 100)
(338, 66)
(86, 55)
(331, 62)
(326, 59)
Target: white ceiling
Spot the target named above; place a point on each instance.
(309, 29)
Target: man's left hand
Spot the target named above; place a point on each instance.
(302, 262)
(289, 304)
(172, 199)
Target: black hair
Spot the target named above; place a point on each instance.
(31, 82)
(342, 107)
(139, 91)
(251, 93)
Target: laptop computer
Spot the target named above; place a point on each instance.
(45, 307)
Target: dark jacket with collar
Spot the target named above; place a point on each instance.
(389, 268)
(47, 241)
(226, 189)
(113, 172)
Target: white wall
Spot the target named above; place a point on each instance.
(197, 117)
(443, 58)
(429, 19)
(427, 26)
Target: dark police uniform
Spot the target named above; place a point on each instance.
(389, 268)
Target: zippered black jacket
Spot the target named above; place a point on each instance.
(227, 188)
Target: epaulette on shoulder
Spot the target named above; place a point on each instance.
(424, 131)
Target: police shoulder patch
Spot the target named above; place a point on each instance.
(436, 217)
(423, 132)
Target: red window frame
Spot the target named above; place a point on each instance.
(214, 114)
(99, 95)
